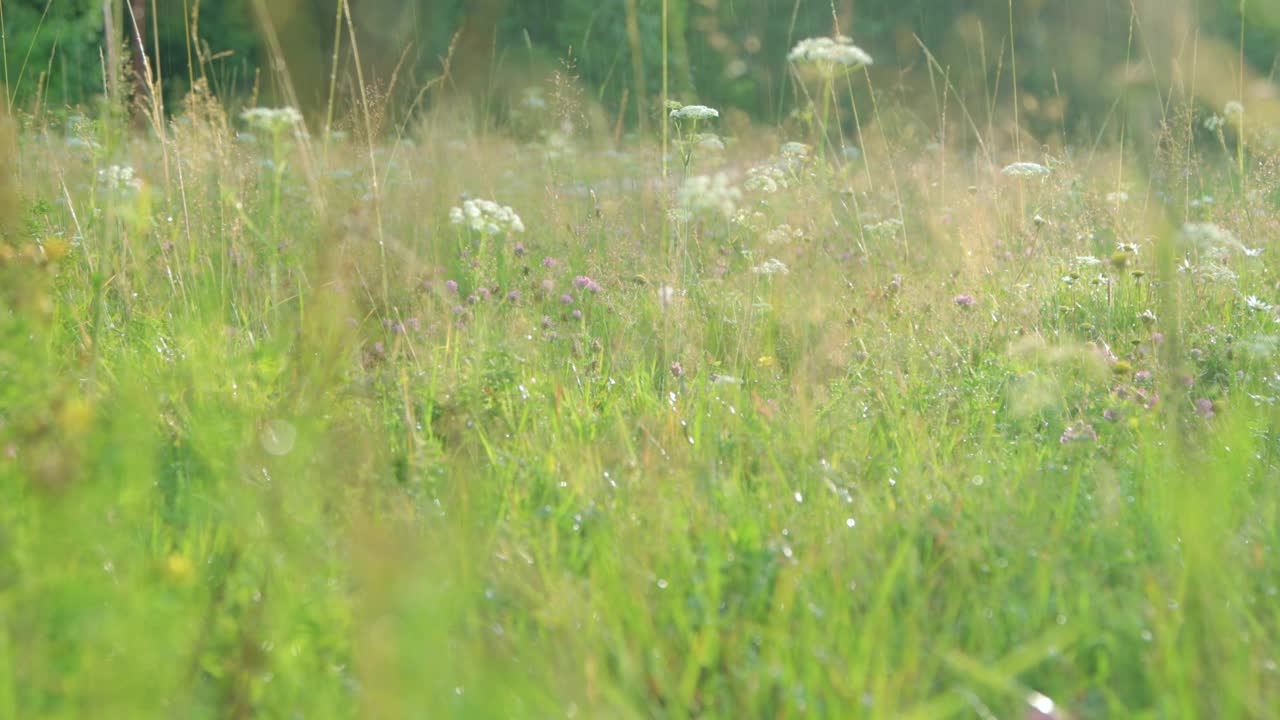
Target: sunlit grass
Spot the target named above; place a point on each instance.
(900, 432)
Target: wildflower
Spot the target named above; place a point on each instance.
(965, 300)
(1142, 377)
(767, 179)
(1025, 169)
(272, 120)
(713, 195)
(1080, 431)
(1257, 305)
(772, 266)
(513, 296)
(1084, 261)
(709, 142)
(677, 370)
(795, 149)
(782, 234)
(1233, 110)
(566, 299)
(519, 249)
(1110, 415)
(1127, 247)
(486, 217)
(550, 262)
(577, 314)
(829, 55)
(121, 178)
(582, 282)
(547, 286)
(451, 285)
(695, 113)
(1204, 407)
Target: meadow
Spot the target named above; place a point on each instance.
(437, 415)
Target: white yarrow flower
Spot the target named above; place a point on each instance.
(772, 266)
(695, 112)
(712, 195)
(1025, 169)
(486, 217)
(272, 120)
(829, 55)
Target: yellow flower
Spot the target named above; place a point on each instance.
(179, 568)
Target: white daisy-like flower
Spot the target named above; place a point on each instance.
(1025, 169)
(1233, 109)
(1256, 304)
(486, 217)
(695, 113)
(772, 266)
(1084, 261)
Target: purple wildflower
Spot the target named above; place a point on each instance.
(1079, 432)
(577, 314)
(413, 324)
(1110, 415)
(452, 285)
(1142, 377)
(513, 296)
(549, 262)
(1204, 406)
(566, 299)
(581, 282)
(965, 300)
(677, 370)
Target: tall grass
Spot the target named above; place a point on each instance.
(279, 439)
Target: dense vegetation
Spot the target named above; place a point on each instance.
(898, 391)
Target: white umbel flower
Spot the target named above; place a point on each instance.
(486, 217)
(272, 120)
(695, 113)
(829, 55)
(706, 194)
(772, 266)
(120, 178)
(1025, 169)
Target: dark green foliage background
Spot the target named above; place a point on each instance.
(724, 52)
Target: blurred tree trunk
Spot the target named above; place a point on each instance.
(137, 31)
(474, 61)
(112, 20)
